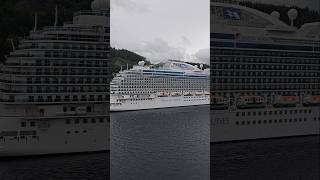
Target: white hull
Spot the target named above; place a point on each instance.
(56, 137)
(159, 102)
(226, 126)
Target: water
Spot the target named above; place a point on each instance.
(93, 166)
(296, 158)
(170, 143)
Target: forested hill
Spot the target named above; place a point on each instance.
(305, 15)
(122, 57)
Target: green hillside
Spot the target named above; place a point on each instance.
(122, 58)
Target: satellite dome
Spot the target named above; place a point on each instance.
(141, 63)
(292, 13)
(275, 14)
(100, 4)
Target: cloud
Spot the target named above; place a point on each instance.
(159, 50)
(129, 6)
(202, 56)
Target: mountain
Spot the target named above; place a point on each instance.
(122, 58)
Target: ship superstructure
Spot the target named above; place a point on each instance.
(167, 84)
(264, 75)
(54, 94)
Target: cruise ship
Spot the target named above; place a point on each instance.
(54, 93)
(264, 74)
(168, 84)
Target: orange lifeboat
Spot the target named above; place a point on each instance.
(285, 101)
(311, 100)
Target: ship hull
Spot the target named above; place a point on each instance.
(160, 102)
(227, 126)
(51, 137)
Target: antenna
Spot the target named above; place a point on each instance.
(292, 14)
(12, 44)
(35, 22)
(56, 17)
(127, 66)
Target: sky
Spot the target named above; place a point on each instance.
(162, 29)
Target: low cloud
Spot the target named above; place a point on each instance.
(159, 50)
(129, 6)
(202, 56)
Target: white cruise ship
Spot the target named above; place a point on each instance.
(168, 84)
(264, 74)
(53, 93)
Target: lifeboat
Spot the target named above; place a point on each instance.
(285, 101)
(162, 94)
(244, 102)
(187, 94)
(206, 93)
(175, 94)
(311, 100)
(218, 102)
(199, 93)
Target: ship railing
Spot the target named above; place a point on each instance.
(93, 13)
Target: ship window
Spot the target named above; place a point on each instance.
(68, 132)
(23, 124)
(68, 121)
(84, 121)
(89, 109)
(32, 124)
(76, 132)
(76, 121)
(72, 109)
(64, 109)
(101, 120)
(93, 120)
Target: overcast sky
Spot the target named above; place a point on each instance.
(162, 29)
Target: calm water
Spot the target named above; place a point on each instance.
(93, 166)
(162, 144)
(295, 158)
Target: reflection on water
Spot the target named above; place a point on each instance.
(171, 143)
(93, 166)
(295, 158)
